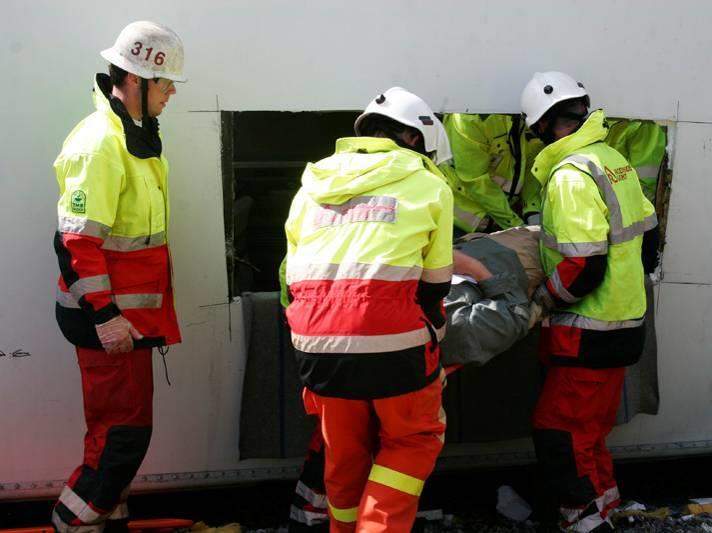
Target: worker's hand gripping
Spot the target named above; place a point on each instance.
(117, 335)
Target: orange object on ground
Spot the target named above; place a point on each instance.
(156, 525)
(159, 524)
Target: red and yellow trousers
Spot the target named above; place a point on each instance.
(575, 413)
(378, 454)
(118, 397)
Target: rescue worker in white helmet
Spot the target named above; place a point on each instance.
(595, 220)
(369, 259)
(115, 295)
(489, 173)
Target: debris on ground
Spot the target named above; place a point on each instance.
(202, 527)
(512, 505)
(512, 513)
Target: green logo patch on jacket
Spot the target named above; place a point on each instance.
(79, 202)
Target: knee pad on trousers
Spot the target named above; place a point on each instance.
(556, 457)
(123, 454)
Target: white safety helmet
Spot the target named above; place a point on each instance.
(406, 108)
(443, 152)
(148, 50)
(545, 90)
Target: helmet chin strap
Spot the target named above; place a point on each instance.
(144, 104)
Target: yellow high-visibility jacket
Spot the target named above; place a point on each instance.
(111, 239)
(369, 259)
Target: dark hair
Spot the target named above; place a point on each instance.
(376, 125)
(117, 75)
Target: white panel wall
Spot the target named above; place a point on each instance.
(647, 59)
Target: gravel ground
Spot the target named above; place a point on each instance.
(678, 522)
(465, 499)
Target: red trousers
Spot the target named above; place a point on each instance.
(118, 398)
(378, 454)
(574, 414)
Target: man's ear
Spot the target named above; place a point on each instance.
(133, 79)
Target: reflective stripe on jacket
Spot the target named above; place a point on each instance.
(112, 224)
(490, 171)
(369, 259)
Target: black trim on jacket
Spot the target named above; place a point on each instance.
(430, 296)
(590, 276)
(365, 376)
(80, 331)
(606, 349)
(140, 142)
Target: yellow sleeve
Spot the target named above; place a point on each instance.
(471, 155)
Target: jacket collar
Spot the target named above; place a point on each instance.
(595, 129)
(140, 142)
(381, 144)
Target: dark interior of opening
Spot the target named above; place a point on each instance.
(263, 156)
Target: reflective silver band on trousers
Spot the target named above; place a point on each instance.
(81, 509)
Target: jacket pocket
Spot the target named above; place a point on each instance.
(156, 207)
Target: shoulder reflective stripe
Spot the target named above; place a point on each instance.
(396, 480)
(91, 284)
(124, 301)
(360, 343)
(574, 249)
(618, 233)
(131, 244)
(344, 515)
(83, 226)
(332, 271)
(437, 275)
(119, 512)
(561, 291)
(308, 518)
(317, 500)
(647, 171)
(468, 218)
(358, 209)
(584, 322)
(79, 507)
(138, 301)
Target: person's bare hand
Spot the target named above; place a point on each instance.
(464, 264)
(117, 335)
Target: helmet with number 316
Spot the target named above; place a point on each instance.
(148, 50)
